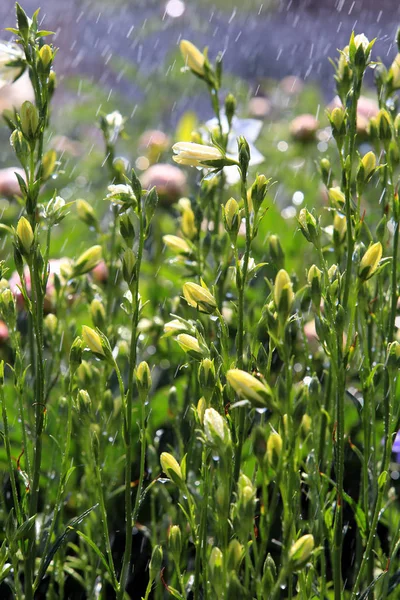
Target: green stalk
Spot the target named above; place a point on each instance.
(127, 433)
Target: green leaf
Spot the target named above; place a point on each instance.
(23, 531)
(365, 593)
(59, 542)
(101, 556)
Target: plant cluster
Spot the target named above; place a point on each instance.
(229, 438)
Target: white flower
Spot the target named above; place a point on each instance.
(194, 155)
(115, 122)
(9, 53)
(120, 193)
(249, 129)
(361, 40)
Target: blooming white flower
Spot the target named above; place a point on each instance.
(361, 40)
(120, 193)
(249, 129)
(195, 155)
(9, 53)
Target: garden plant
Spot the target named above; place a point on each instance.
(182, 415)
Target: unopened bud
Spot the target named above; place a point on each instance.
(143, 378)
(283, 294)
(314, 281)
(98, 313)
(29, 120)
(87, 261)
(199, 297)
(370, 261)
(93, 341)
(155, 563)
(308, 226)
(86, 213)
(171, 468)
(129, 266)
(250, 388)
(274, 449)
(231, 218)
(25, 235)
(301, 551)
(175, 542)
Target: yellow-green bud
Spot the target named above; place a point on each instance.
(216, 430)
(25, 235)
(308, 225)
(171, 468)
(75, 354)
(258, 191)
(192, 56)
(301, 551)
(276, 251)
(51, 323)
(191, 346)
(201, 409)
(177, 244)
(283, 294)
(143, 378)
(314, 281)
(216, 570)
(129, 266)
(235, 555)
(337, 197)
(46, 56)
(87, 261)
(86, 213)
(339, 228)
(98, 313)
(384, 125)
(92, 340)
(231, 216)
(326, 171)
(207, 375)
(188, 224)
(48, 164)
(20, 145)
(230, 107)
(274, 449)
(84, 400)
(155, 563)
(175, 541)
(29, 117)
(338, 123)
(250, 388)
(370, 261)
(393, 355)
(199, 297)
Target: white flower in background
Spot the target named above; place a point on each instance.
(115, 122)
(249, 129)
(9, 54)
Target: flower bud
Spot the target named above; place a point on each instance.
(274, 449)
(308, 226)
(326, 171)
(314, 281)
(283, 294)
(199, 297)
(129, 266)
(276, 251)
(301, 551)
(393, 355)
(370, 261)
(75, 353)
(206, 375)
(29, 117)
(49, 164)
(201, 409)
(93, 341)
(52, 83)
(199, 155)
(191, 346)
(337, 120)
(250, 388)
(177, 244)
(231, 217)
(86, 213)
(337, 197)
(51, 323)
(87, 261)
(171, 468)
(230, 107)
(258, 191)
(46, 56)
(7, 307)
(25, 236)
(143, 378)
(235, 555)
(188, 225)
(98, 313)
(155, 563)
(216, 430)
(244, 155)
(193, 58)
(84, 400)
(175, 542)
(384, 125)
(20, 145)
(339, 228)
(216, 571)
